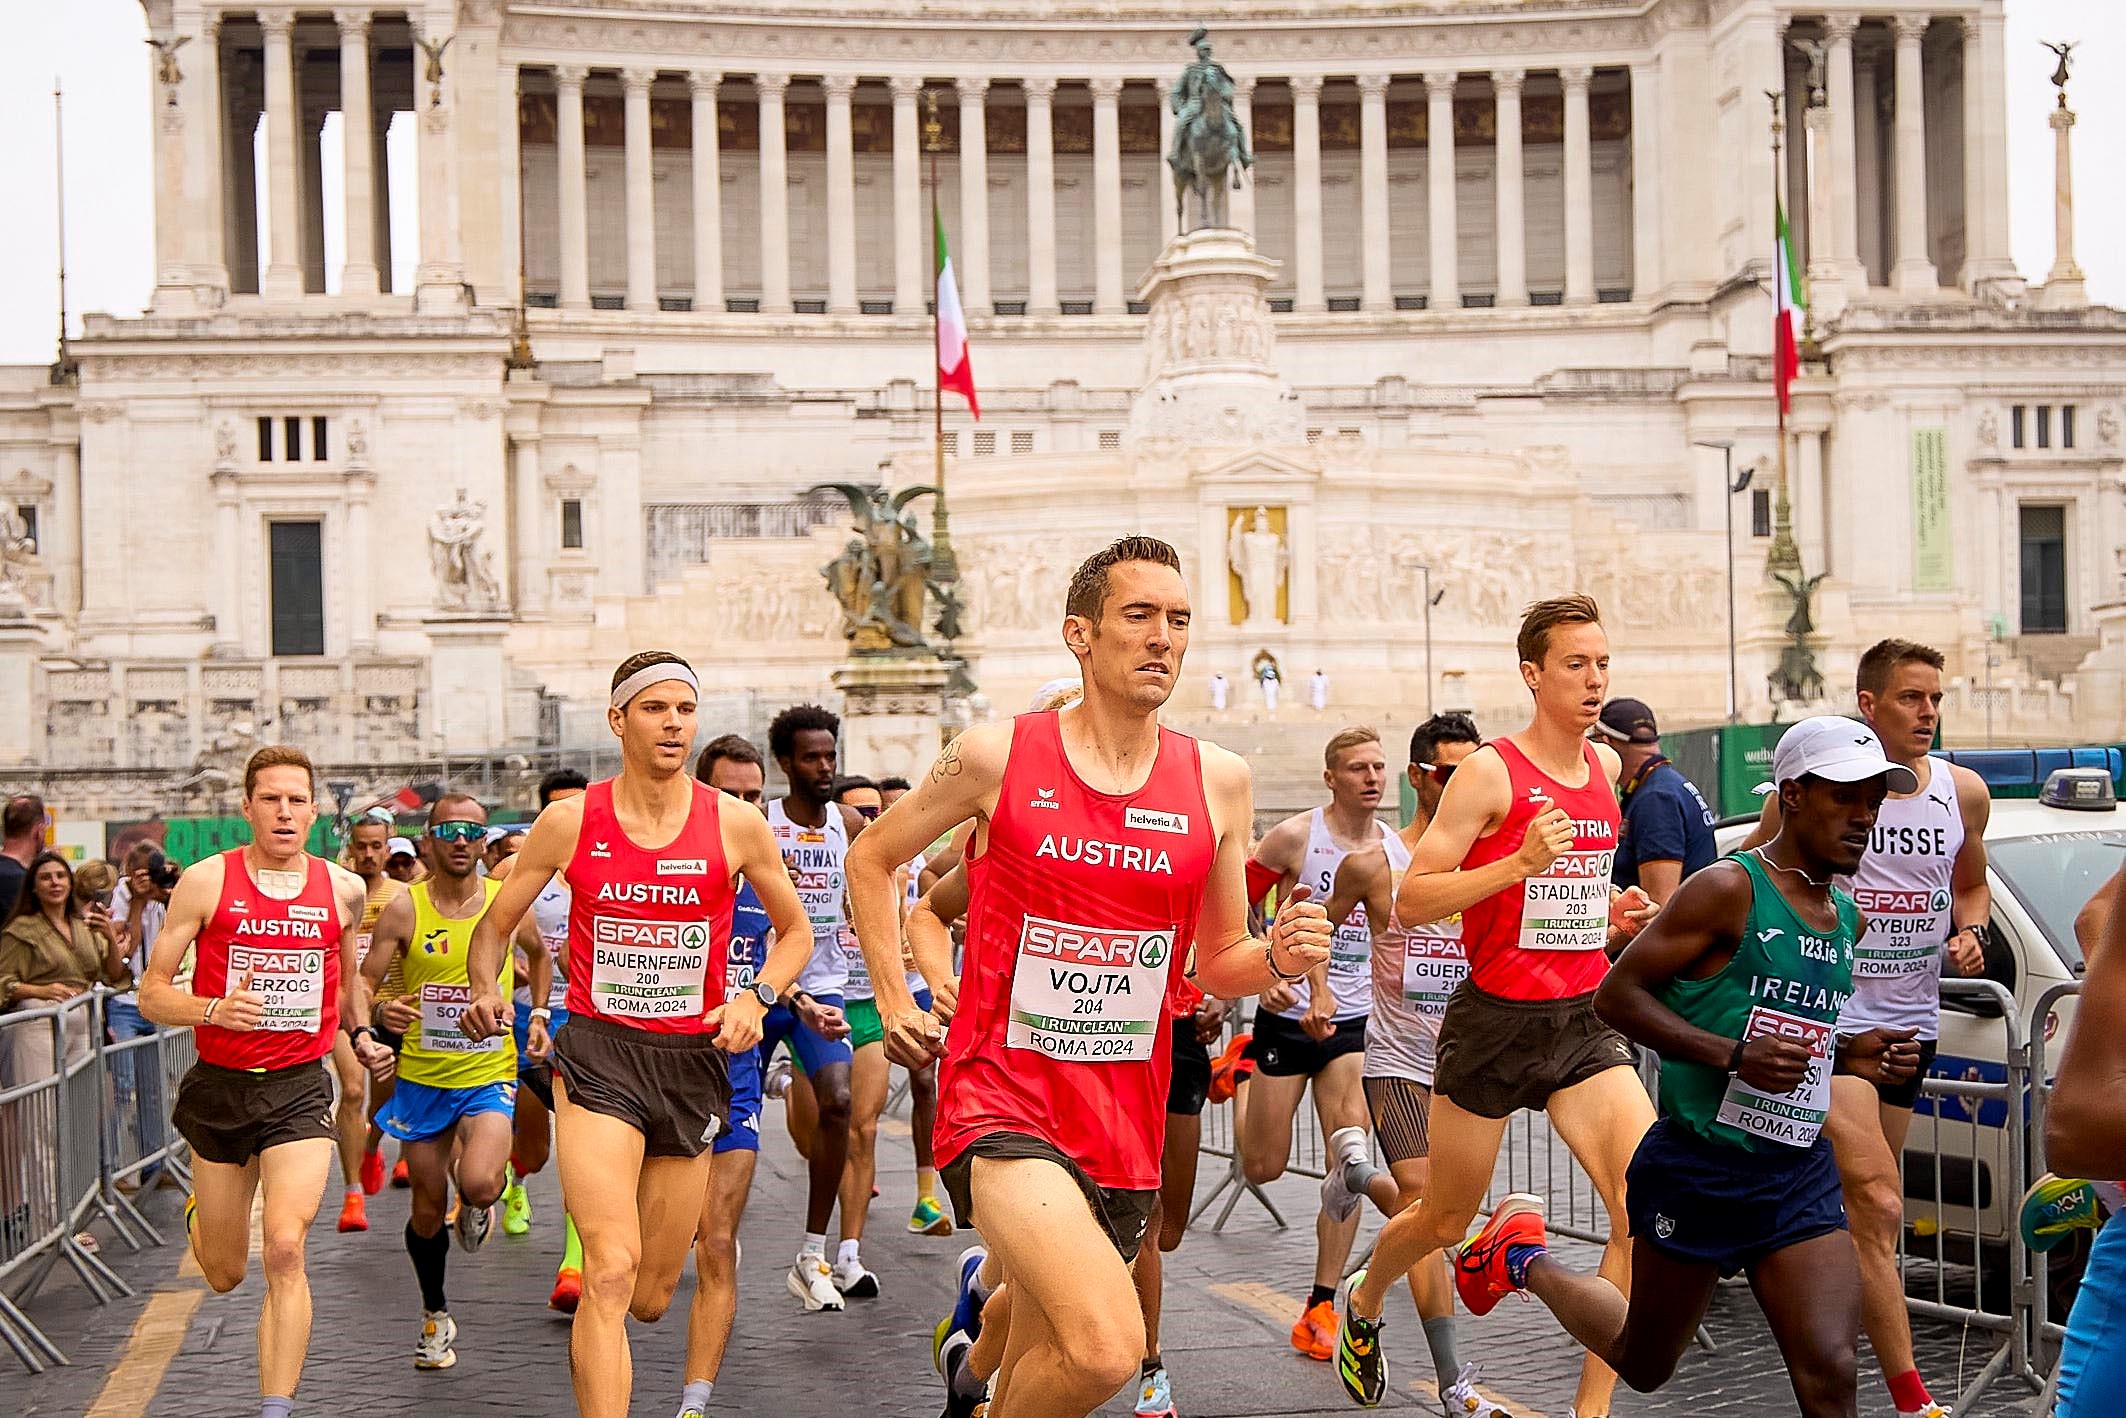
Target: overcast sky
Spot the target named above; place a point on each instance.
(95, 49)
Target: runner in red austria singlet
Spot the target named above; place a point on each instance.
(1082, 910)
(291, 948)
(648, 931)
(1543, 938)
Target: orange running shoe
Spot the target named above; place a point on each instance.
(354, 1216)
(568, 1289)
(1229, 1068)
(372, 1172)
(399, 1175)
(1481, 1275)
(1314, 1333)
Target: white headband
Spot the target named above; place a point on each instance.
(648, 675)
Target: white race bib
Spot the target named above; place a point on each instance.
(1434, 962)
(1795, 1118)
(648, 969)
(557, 952)
(361, 947)
(1087, 993)
(292, 983)
(1566, 905)
(442, 1006)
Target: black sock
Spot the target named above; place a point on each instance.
(1153, 1365)
(430, 1254)
(1321, 1295)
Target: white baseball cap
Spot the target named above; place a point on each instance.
(1834, 747)
(400, 847)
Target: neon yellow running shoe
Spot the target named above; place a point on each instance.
(2055, 1206)
(929, 1218)
(516, 1208)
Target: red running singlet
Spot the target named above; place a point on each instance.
(1082, 908)
(1543, 938)
(291, 948)
(648, 931)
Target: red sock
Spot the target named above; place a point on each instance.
(1908, 1392)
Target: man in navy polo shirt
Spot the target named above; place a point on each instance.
(1668, 829)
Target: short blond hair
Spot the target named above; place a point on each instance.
(277, 756)
(1533, 643)
(1353, 737)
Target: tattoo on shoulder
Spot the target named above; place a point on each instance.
(948, 764)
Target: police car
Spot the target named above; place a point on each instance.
(2046, 856)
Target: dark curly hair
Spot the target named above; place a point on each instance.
(783, 732)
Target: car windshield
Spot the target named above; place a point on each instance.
(2054, 875)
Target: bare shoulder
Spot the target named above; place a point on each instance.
(1282, 845)
(1973, 797)
(1612, 764)
(346, 883)
(978, 752)
(1223, 769)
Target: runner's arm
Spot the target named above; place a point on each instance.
(1276, 859)
(2085, 1123)
(1359, 881)
(1705, 920)
(538, 960)
(546, 850)
(1970, 897)
(389, 935)
(929, 929)
(1476, 801)
(758, 858)
(1229, 960)
(939, 864)
(192, 903)
(352, 897)
(2095, 915)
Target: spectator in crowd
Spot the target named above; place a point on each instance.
(137, 906)
(1221, 691)
(502, 844)
(403, 862)
(1668, 830)
(52, 949)
(21, 838)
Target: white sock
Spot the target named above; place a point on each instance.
(815, 1245)
(845, 1254)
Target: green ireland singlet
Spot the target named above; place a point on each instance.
(1786, 978)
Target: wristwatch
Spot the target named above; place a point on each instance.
(765, 993)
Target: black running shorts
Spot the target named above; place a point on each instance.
(230, 1115)
(1122, 1213)
(1499, 1055)
(1192, 1070)
(1282, 1048)
(674, 1089)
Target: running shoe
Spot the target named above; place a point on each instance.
(1932, 1410)
(1155, 1397)
(1229, 1069)
(1360, 1364)
(1314, 1332)
(372, 1172)
(812, 1281)
(191, 1213)
(400, 1177)
(2055, 1206)
(471, 1226)
(438, 1332)
(966, 1314)
(1461, 1400)
(1346, 1146)
(354, 1215)
(568, 1289)
(1481, 1275)
(516, 1209)
(965, 1395)
(776, 1081)
(929, 1218)
(853, 1280)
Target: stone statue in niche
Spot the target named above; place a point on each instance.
(464, 572)
(225, 442)
(1258, 557)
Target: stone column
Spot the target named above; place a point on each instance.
(358, 200)
(1645, 178)
(1511, 192)
(1867, 171)
(641, 190)
(2064, 289)
(575, 219)
(1169, 215)
(229, 559)
(380, 162)
(1842, 241)
(361, 617)
(841, 196)
(971, 262)
(1977, 196)
(1041, 196)
(64, 539)
(311, 165)
(1914, 271)
(173, 225)
(1242, 203)
(708, 194)
(1107, 196)
(1446, 291)
(206, 200)
(1808, 495)
(1579, 189)
(910, 224)
(1376, 286)
(439, 279)
(284, 263)
(1306, 192)
(239, 175)
(774, 196)
(1994, 254)
(528, 554)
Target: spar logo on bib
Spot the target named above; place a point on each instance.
(1069, 944)
(649, 935)
(1886, 901)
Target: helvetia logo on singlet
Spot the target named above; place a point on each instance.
(683, 866)
(1145, 819)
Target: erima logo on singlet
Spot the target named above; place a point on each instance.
(599, 849)
(1093, 853)
(1045, 798)
(645, 893)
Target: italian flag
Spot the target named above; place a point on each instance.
(1793, 304)
(955, 371)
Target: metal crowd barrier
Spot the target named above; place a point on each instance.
(97, 1118)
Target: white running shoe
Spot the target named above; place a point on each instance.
(438, 1332)
(472, 1225)
(1346, 1145)
(776, 1081)
(853, 1280)
(1461, 1400)
(812, 1281)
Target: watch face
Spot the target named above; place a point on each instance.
(765, 993)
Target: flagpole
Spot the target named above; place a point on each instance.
(945, 566)
(1783, 554)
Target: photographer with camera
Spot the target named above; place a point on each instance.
(136, 906)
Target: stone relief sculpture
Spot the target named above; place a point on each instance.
(17, 551)
(1210, 147)
(225, 442)
(1259, 558)
(882, 577)
(464, 572)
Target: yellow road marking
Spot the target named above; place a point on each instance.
(894, 1127)
(157, 1336)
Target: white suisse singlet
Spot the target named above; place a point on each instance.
(1351, 947)
(1902, 888)
(1414, 971)
(816, 855)
(550, 919)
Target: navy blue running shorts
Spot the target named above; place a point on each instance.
(1721, 1205)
